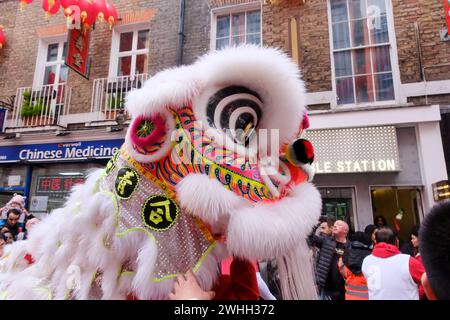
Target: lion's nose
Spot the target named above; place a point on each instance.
(300, 152)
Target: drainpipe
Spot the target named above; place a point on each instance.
(180, 34)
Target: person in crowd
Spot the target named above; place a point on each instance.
(329, 281)
(434, 239)
(2, 244)
(326, 226)
(16, 202)
(380, 222)
(12, 222)
(350, 265)
(390, 274)
(9, 238)
(409, 247)
(370, 230)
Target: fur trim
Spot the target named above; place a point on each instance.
(268, 230)
(172, 87)
(194, 194)
(268, 71)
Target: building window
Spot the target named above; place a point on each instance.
(130, 53)
(50, 65)
(236, 26)
(361, 49)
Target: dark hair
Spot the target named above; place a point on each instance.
(435, 249)
(2, 236)
(382, 219)
(329, 220)
(387, 235)
(362, 237)
(415, 231)
(17, 212)
(370, 229)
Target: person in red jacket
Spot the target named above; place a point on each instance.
(240, 284)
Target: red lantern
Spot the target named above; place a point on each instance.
(87, 12)
(100, 9)
(2, 38)
(23, 3)
(111, 14)
(50, 7)
(68, 3)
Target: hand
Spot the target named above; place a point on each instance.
(187, 288)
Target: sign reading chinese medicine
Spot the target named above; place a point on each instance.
(447, 13)
(77, 57)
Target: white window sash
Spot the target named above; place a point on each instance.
(395, 71)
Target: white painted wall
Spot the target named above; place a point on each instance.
(432, 161)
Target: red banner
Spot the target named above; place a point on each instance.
(77, 55)
(447, 13)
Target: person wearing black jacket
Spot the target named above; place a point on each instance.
(331, 285)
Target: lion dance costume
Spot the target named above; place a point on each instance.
(193, 166)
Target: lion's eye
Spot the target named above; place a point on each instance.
(236, 111)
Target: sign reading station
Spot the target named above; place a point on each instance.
(101, 149)
(353, 150)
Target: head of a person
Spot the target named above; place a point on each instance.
(361, 237)
(415, 237)
(2, 244)
(340, 228)
(380, 221)
(13, 216)
(9, 238)
(326, 226)
(386, 235)
(370, 230)
(435, 251)
(17, 201)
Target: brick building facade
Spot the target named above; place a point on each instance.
(415, 73)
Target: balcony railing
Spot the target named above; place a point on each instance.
(40, 108)
(108, 95)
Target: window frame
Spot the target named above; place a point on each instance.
(41, 59)
(393, 54)
(116, 54)
(233, 9)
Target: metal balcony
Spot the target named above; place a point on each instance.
(40, 109)
(108, 97)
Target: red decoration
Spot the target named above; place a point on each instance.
(87, 12)
(100, 9)
(447, 13)
(111, 14)
(2, 38)
(68, 3)
(23, 3)
(50, 7)
(78, 48)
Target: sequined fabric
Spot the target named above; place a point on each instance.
(181, 247)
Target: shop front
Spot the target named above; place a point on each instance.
(45, 173)
(367, 172)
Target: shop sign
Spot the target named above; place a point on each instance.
(82, 150)
(355, 150)
(77, 57)
(13, 181)
(61, 184)
(441, 190)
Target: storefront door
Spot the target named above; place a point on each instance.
(338, 203)
(400, 207)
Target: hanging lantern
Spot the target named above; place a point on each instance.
(67, 3)
(23, 3)
(100, 9)
(2, 38)
(111, 15)
(87, 14)
(50, 7)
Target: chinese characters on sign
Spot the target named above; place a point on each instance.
(77, 57)
(51, 184)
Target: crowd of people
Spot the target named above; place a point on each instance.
(15, 222)
(370, 266)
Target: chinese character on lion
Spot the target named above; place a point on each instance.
(213, 166)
